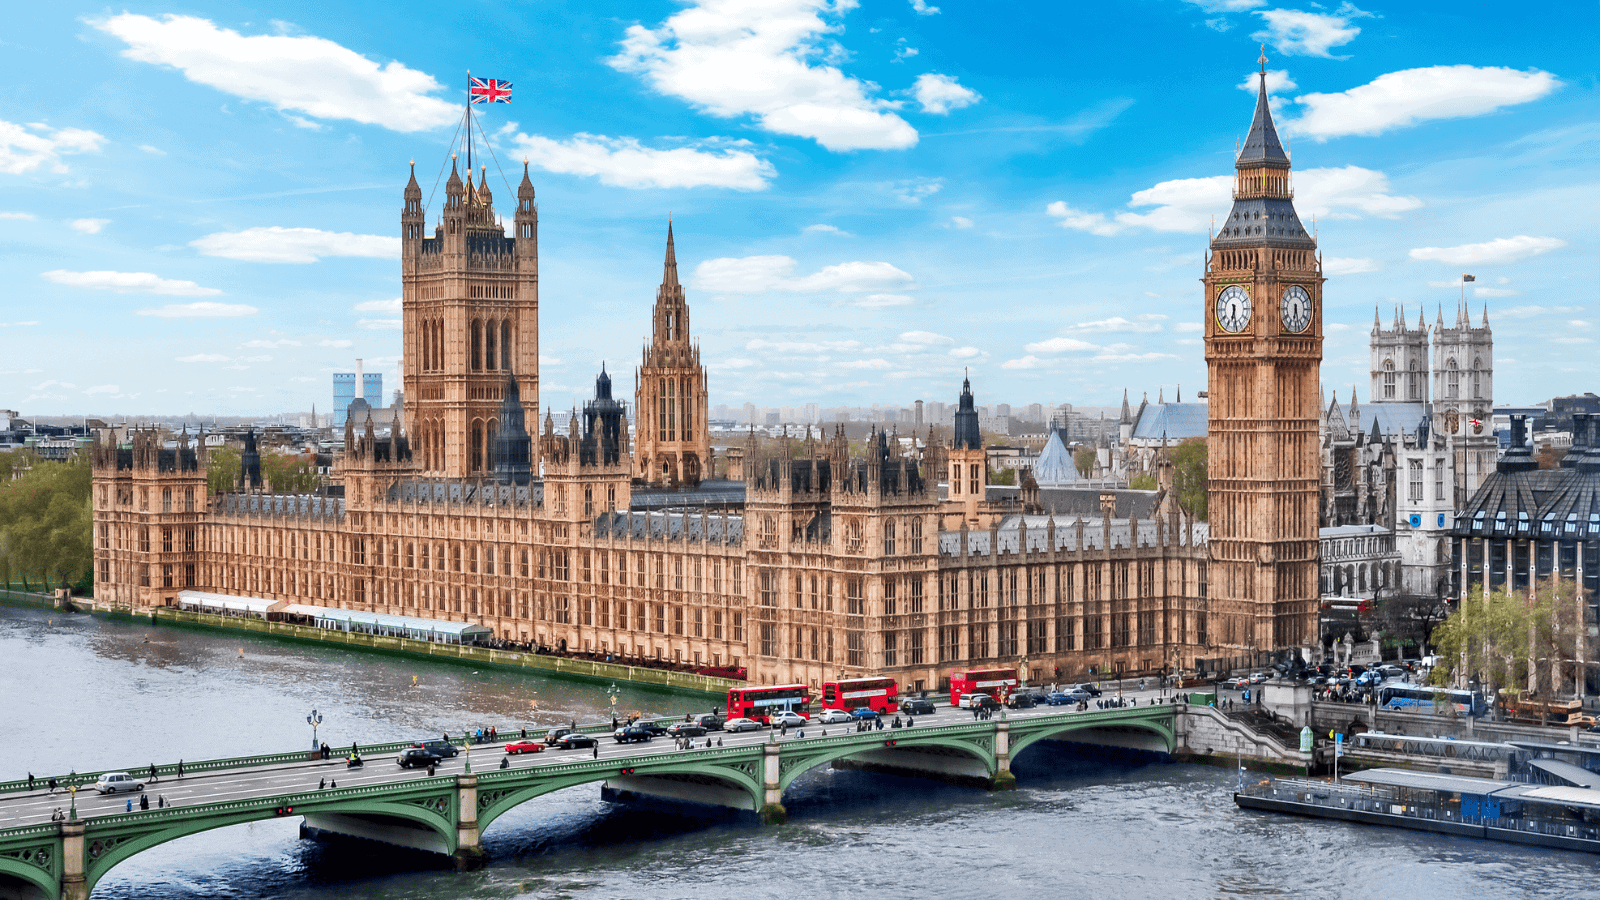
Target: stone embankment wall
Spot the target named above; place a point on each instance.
(560, 666)
(1204, 732)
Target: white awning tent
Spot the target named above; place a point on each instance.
(228, 604)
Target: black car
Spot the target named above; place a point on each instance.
(1089, 688)
(632, 735)
(573, 739)
(656, 729)
(439, 749)
(416, 757)
(983, 701)
(686, 730)
(556, 734)
(709, 721)
(918, 706)
(1021, 700)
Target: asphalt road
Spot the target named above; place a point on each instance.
(257, 782)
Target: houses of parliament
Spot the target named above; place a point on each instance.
(838, 560)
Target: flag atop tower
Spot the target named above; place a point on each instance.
(489, 90)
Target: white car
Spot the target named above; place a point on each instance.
(833, 716)
(787, 717)
(737, 725)
(111, 782)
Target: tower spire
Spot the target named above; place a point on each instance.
(669, 268)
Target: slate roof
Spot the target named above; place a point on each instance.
(1177, 421)
(1054, 465)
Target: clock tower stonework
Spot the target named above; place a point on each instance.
(1263, 337)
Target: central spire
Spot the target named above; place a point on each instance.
(669, 269)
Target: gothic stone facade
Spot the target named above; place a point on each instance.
(834, 565)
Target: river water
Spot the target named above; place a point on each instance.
(80, 692)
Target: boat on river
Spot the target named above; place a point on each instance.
(1559, 816)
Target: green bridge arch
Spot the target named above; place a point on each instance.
(28, 868)
(978, 744)
(109, 841)
(500, 791)
(1158, 722)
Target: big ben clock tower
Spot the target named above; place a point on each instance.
(1263, 313)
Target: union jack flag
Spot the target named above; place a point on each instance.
(489, 90)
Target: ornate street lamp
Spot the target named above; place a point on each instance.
(314, 720)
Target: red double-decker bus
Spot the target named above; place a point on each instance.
(997, 683)
(759, 703)
(882, 694)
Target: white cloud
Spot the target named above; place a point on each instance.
(1278, 81)
(825, 229)
(203, 309)
(1146, 325)
(1573, 340)
(27, 217)
(24, 148)
(1528, 312)
(389, 306)
(1189, 204)
(939, 94)
(768, 60)
(1308, 34)
(923, 9)
(103, 389)
(1227, 5)
(204, 358)
(1489, 253)
(966, 352)
(1494, 292)
(913, 190)
(380, 324)
(1404, 98)
(306, 74)
(1188, 327)
(271, 345)
(903, 51)
(881, 301)
(88, 226)
(1121, 353)
(758, 274)
(961, 221)
(1027, 362)
(154, 151)
(924, 338)
(1339, 265)
(339, 343)
(295, 245)
(1060, 345)
(624, 162)
(875, 364)
(128, 282)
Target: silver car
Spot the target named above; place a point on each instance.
(112, 782)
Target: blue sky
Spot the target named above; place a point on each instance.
(199, 202)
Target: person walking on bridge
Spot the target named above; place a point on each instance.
(152, 771)
(30, 781)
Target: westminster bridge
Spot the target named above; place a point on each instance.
(49, 854)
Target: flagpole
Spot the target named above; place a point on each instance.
(469, 123)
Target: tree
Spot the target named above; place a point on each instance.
(1084, 461)
(1189, 479)
(222, 470)
(1143, 482)
(290, 474)
(1004, 476)
(46, 523)
(1515, 641)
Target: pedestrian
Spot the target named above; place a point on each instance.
(783, 729)
(334, 784)
(353, 750)
(161, 801)
(322, 784)
(974, 713)
(719, 742)
(180, 768)
(52, 783)
(614, 722)
(445, 737)
(880, 724)
(910, 721)
(30, 781)
(152, 771)
(130, 804)
(430, 770)
(505, 762)
(144, 801)
(524, 734)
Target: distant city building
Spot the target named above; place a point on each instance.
(344, 391)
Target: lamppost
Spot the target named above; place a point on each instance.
(314, 720)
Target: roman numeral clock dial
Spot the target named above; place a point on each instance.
(1296, 309)
(1233, 309)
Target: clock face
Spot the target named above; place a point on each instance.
(1296, 308)
(1233, 309)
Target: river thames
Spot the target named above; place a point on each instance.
(84, 693)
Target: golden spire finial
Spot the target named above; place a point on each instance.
(1263, 59)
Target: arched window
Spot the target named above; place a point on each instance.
(1388, 379)
(489, 356)
(505, 344)
(477, 345)
(475, 460)
(1452, 379)
(1413, 382)
(1477, 378)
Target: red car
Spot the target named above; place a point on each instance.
(524, 747)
